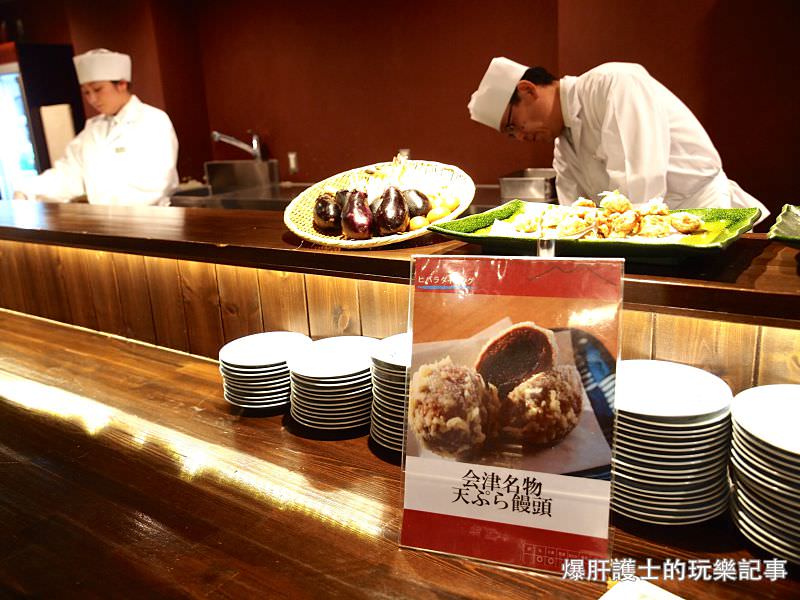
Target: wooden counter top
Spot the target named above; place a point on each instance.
(123, 473)
(755, 280)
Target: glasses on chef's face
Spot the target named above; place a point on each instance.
(509, 129)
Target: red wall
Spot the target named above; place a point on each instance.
(349, 83)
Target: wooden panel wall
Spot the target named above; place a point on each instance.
(197, 307)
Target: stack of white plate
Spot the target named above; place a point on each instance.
(331, 383)
(254, 369)
(765, 468)
(390, 363)
(672, 442)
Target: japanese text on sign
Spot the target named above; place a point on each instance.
(503, 493)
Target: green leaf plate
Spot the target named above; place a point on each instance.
(725, 226)
(787, 226)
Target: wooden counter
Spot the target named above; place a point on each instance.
(754, 281)
(123, 473)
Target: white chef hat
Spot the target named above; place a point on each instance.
(102, 65)
(489, 101)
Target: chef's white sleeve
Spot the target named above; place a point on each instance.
(63, 181)
(635, 140)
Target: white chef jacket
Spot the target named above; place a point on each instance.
(624, 130)
(128, 158)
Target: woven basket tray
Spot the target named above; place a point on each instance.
(431, 178)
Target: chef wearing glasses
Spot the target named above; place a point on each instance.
(125, 155)
(614, 127)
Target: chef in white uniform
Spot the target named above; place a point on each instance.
(125, 155)
(614, 127)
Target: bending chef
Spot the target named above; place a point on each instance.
(614, 127)
(124, 155)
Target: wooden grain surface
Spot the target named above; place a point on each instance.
(201, 307)
(134, 296)
(169, 316)
(383, 308)
(283, 301)
(332, 306)
(727, 350)
(636, 334)
(124, 474)
(778, 357)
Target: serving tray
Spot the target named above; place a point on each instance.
(426, 176)
(786, 228)
(728, 225)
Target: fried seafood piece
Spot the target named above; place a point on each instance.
(574, 224)
(526, 222)
(544, 408)
(655, 226)
(585, 202)
(615, 202)
(515, 354)
(625, 223)
(686, 222)
(602, 226)
(553, 215)
(654, 207)
(452, 410)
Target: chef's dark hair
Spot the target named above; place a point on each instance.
(118, 81)
(537, 75)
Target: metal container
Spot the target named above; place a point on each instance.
(534, 185)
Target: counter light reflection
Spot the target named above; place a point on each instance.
(269, 482)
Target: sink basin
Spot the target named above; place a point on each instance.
(270, 197)
(231, 175)
(195, 192)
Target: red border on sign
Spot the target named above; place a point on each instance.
(531, 547)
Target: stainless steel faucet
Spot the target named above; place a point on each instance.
(254, 149)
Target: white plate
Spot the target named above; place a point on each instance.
(334, 390)
(280, 367)
(751, 447)
(675, 511)
(670, 453)
(326, 426)
(335, 357)
(666, 483)
(332, 418)
(776, 518)
(771, 414)
(394, 351)
(763, 478)
(762, 538)
(393, 377)
(262, 349)
(330, 410)
(659, 388)
(380, 440)
(636, 429)
(245, 404)
(685, 426)
(653, 472)
(665, 520)
(773, 470)
(323, 363)
(266, 387)
(331, 405)
(257, 398)
(677, 498)
(698, 462)
(679, 493)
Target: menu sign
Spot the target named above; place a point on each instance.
(510, 413)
